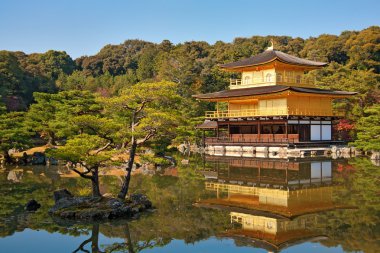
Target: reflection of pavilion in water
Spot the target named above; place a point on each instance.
(274, 173)
(273, 234)
(274, 201)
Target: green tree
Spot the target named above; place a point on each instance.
(364, 49)
(325, 48)
(22, 74)
(147, 111)
(91, 149)
(83, 153)
(368, 127)
(76, 81)
(11, 74)
(52, 115)
(146, 63)
(13, 134)
(339, 77)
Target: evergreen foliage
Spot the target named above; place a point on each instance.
(368, 129)
(13, 133)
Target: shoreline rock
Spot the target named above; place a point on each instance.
(68, 206)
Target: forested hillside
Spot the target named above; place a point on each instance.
(354, 58)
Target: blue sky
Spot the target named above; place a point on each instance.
(83, 27)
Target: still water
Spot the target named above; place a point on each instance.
(212, 204)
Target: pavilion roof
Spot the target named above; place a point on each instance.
(264, 90)
(269, 56)
(208, 124)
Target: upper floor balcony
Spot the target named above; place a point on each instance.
(271, 79)
(273, 112)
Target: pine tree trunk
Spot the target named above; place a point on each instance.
(95, 183)
(125, 187)
(95, 238)
(124, 144)
(127, 235)
(51, 139)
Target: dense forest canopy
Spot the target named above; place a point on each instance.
(194, 65)
(354, 58)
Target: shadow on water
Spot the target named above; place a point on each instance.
(272, 204)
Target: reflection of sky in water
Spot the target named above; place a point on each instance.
(41, 241)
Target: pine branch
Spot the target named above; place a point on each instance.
(147, 137)
(82, 174)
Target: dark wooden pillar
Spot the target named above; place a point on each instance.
(333, 136)
(259, 131)
(228, 130)
(286, 131)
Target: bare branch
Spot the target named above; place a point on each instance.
(102, 148)
(136, 124)
(147, 137)
(142, 105)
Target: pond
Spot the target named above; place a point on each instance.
(211, 204)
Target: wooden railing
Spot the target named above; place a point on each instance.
(272, 112)
(277, 79)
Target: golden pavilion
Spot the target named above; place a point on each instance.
(273, 104)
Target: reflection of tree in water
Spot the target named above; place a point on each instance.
(94, 239)
(128, 245)
(356, 230)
